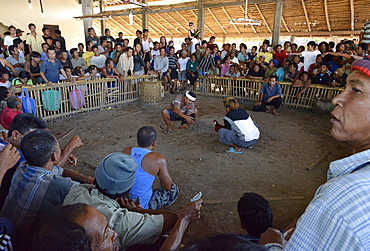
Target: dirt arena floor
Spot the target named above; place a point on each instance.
(274, 168)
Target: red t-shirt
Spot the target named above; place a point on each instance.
(280, 56)
(7, 116)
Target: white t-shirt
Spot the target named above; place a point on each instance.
(98, 61)
(194, 42)
(183, 62)
(7, 84)
(309, 58)
(235, 60)
(8, 40)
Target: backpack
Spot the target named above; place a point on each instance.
(235, 128)
(51, 99)
(28, 104)
(76, 98)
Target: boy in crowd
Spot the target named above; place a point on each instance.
(323, 76)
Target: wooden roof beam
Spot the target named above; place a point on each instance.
(122, 27)
(181, 25)
(150, 27)
(327, 14)
(252, 26)
(218, 22)
(173, 27)
(192, 12)
(160, 25)
(306, 14)
(228, 16)
(352, 15)
(285, 24)
(263, 18)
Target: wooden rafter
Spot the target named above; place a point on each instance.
(120, 25)
(352, 15)
(218, 22)
(159, 25)
(306, 14)
(254, 29)
(192, 12)
(228, 16)
(173, 27)
(263, 18)
(285, 24)
(179, 23)
(327, 14)
(151, 27)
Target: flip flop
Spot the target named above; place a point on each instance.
(185, 127)
(250, 147)
(232, 150)
(167, 132)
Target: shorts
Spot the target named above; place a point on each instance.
(173, 116)
(182, 76)
(174, 74)
(164, 74)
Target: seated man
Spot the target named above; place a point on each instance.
(13, 108)
(37, 186)
(255, 215)
(182, 109)
(33, 67)
(21, 125)
(323, 76)
(232, 72)
(150, 165)
(270, 95)
(15, 60)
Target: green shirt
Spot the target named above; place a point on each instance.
(192, 66)
(16, 81)
(132, 228)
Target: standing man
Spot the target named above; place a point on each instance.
(98, 59)
(150, 165)
(182, 109)
(338, 217)
(50, 68)
(107, 36)
(309, 55)
(58, 36)
(119, 40)
(173, 65)
(8, 40)
(92, 37)
(365, 34)
(161, 64)
(34, 40)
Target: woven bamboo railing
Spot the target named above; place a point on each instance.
(99, 94)
(248, 90)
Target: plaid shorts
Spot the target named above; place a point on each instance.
(161, 197)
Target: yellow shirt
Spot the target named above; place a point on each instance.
(87, 56)
(268, 56)
(35, 42)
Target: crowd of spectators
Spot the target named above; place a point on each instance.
(55, 208)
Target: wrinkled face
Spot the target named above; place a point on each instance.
(96, 226)
(351, 116)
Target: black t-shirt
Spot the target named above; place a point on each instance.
(260, 73)
(237, 114)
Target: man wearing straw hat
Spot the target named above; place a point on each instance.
(182, 109)
(338, 217)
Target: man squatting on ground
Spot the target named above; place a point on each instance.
(182, 109)
(150, 165)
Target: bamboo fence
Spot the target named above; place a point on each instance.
(248, 90)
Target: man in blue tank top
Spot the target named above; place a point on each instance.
(150, 165)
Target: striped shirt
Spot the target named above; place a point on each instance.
(338, 217)
(34, 191)
(172, 61)
(366, 31)
(206, 63)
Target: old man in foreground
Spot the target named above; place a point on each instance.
(338, 217)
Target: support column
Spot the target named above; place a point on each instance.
(87, 10)
(200, 23)
(277, 21)
(144, 15)
(102, 22)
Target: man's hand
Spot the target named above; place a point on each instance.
(258, 103)
(9, 156)
(72, 160)
(124, 202)
(269, 99)
(191, 212)
(189, 119)
(218, 126)
(271, 235)
(75, 142)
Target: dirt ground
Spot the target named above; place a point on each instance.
(274, 168)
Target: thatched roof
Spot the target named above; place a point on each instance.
(300, 18)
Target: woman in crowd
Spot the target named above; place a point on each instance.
(138, 60)
(239, 129)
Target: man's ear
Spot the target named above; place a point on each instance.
(154, 143)
(54, 158)
(15, 135)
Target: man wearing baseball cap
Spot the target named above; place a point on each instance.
(182, 109)
(338, 217)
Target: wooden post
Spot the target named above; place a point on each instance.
(200, 24)
(102, 22)
(144, 16)
(87, 10)
(277, 21)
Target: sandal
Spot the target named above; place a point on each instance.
(232, 150)
(186, 127)
(168, 132)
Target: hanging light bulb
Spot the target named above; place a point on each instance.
(42, 14)
(130, 17)
(30, 4)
